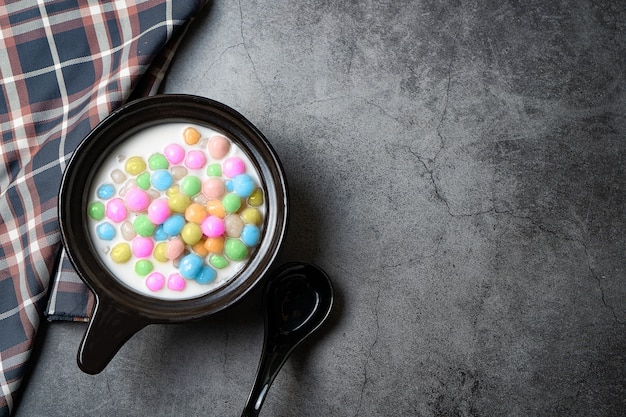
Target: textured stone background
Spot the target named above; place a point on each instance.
(457, 167)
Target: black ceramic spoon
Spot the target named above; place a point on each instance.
(297, 300)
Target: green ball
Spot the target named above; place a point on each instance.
(190, 185)
(158, 161)
(214, 170)
(143, 226)
(218, 261)
(96, 210)
(231, 203)
(143, 267)
(143, 180)
(235, 249)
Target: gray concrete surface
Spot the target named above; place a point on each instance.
(457, 168)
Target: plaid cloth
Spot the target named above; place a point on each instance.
(64, 66)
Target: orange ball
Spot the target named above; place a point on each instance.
(214, 244)
(215, 208)
(195, 213)
(191, 136)
(200, 248)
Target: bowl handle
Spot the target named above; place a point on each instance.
(110, 327)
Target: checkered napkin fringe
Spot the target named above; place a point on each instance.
(64, 66)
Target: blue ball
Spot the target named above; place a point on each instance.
(161, 179)
(250, 235)
(159, 234)
(229, 186)
(190, 266)
(105, 191)
(206, 275)
(105, 231)
(173, 224)
(243, 185)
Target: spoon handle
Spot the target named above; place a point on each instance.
(271, 362)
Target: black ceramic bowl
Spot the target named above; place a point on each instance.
(120, 311)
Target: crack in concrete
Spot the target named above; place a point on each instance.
(437, 246)
(540, 226)
(440, 136)
(384, 111)
(219, 57)
(430, 172)
(499, 67)
(228, 48)
(580, 241)
(243, 38)
(438, 193)
(600, 287)
(446, 97)
(445, 109)
(370, 353)
(247, 51)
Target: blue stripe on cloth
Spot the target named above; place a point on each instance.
(34, 54)
(36, 94)
(24, 15)
(9, 299)
(78, 38)
(61, 6)
(82, 74)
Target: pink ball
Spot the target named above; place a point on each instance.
(142, 246)
(212, 226)
(155, 281)
(159, 211)
(116, 210)
(174, 153)
(213, 188)
(137, 199)
(176, 282)
(174, 248)
(218, 147)
(195, 159)
(233, 166)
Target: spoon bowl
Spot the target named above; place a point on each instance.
(297, 300)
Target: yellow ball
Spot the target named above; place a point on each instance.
(191, 233)
(159, 252)
(256, 198)
(179, 202)
(120, 253)
(174, 189)
(251, 215)
(135, 165)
